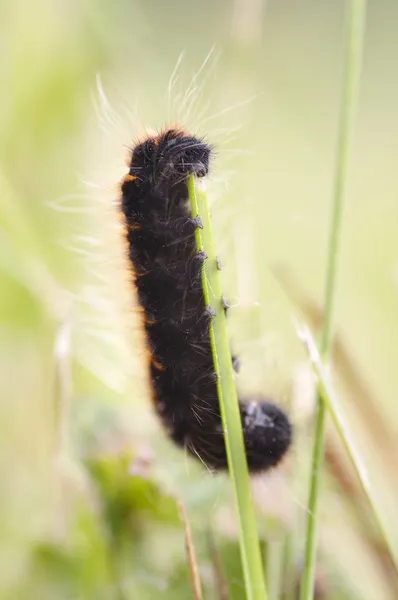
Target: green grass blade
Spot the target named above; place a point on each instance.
(238, 471)
(332, 405)
(353, 56)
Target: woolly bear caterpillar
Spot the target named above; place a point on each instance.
(166, 267)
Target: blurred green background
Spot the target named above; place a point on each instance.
(88, 479)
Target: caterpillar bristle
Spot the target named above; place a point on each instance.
(160, 233)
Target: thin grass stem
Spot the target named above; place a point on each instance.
(352, 64)
(229, 408)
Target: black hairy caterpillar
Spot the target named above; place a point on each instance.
(166, 266)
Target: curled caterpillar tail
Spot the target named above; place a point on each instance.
(166, 266)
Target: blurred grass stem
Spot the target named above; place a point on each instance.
(352, 64)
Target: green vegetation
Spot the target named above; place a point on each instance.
(352, 68)
(229, 408)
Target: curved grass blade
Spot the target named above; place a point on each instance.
(332, 405)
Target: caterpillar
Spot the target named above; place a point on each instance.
(166, 266)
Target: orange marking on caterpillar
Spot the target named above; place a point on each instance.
(149, 321)
(158, 366)
(134, 227)
(126, 179)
